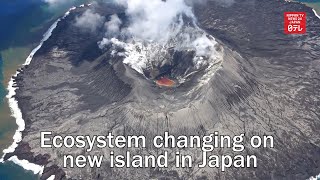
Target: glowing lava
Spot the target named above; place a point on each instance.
(163, 81)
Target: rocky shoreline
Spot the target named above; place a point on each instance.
(267, 85)
(26, 158)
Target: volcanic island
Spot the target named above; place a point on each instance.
(260, 82)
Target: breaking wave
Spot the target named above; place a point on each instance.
(16, 112)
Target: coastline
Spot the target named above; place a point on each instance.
(315, 13)
(51, 177)
(315, 178)
(16, 112)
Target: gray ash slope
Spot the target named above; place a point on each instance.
(268, 84)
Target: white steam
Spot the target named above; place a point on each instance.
(113, 26)
(154, 27)
(152, 20)
(89, 21)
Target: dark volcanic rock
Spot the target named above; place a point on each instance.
(23, 151)
(284, 71)
(48, 171)
(268, 84)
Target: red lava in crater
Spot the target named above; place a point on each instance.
(163, 81)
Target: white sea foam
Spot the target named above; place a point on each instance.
(315, 178)
(51, 177)
(13, 103)
(27, 165)
(16, 112)
(315, 13)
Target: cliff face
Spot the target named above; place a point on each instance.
(267, 84)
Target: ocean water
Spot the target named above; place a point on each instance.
(17, 20)
(10, 171)
(23, 22)
(315, 4)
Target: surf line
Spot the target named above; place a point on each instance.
(315, 13)
(16, 112)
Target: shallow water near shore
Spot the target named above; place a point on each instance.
(25, 22)
(315, 4)
(11, 171)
